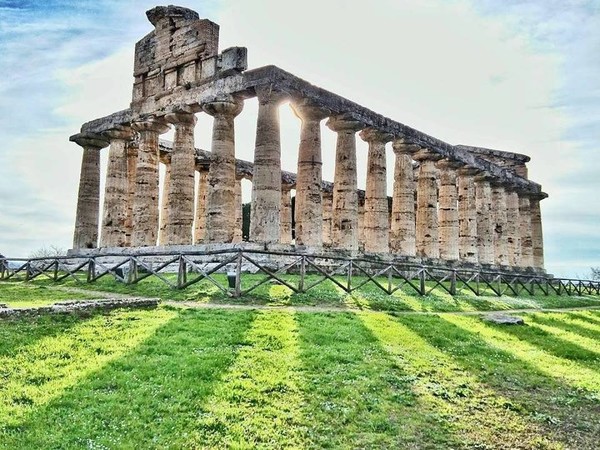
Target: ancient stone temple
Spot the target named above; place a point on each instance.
(450, 204)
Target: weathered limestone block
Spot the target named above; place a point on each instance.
(448, 228)
(164, 205)
(344, 226)
(327, 217)
(286, 215)
(513, 234)
(114, 232)
(500, 212)
(237, 232)
(361, 223)
(88, 198)
(220, 219)
(180, 198)
(537, 237)
(145, 202)
(427, 204)
(467, 215)
(132, 154)
(266, 179)
(525, 231)
(309, 202)
(376, 227)
(201, 196)
(403, 227)
(485, 221)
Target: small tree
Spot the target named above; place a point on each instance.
(595, 273)
(48, 252)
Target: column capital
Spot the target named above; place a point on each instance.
(120, 132)
(374, 135)
(484, 176)
(307, 111)
(468, 171)
(224, 106)
(270, 95)
(181, 117)
(344, 123)
(448, 164)
(90, 140)
(401, 147)
(427, 155)
(150, 124)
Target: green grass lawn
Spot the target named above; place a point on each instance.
(182, 378)
(20, 294)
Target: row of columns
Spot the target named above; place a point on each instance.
(460, 213)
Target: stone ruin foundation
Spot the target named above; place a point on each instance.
(451, 205)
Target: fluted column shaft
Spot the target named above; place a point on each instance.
(485, 223)
(513, 235)
(467, 216)
(525, 231)
(327, 217)
(164, 205)
(500, 225)
(403, 227)
(88, 197)
(537, 237)
(286, 215)
(114, 232)
(344, 218)
(220, 219)
(361, 222)
(201, 195)
(237, 232)
(376, 222)
(145, 202)
(427, 202)
(309, 200)
(132, 151)
(448, 211)
(266, 179)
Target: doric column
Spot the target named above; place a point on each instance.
(327, 217)
(114, 232)
(180, 199)
(537, 237)
(285, 215)
(266, 178)
(132, 151)
(513, 234)
(309, 201)
(376, 227)
(201, 194)
(427, 202)
(500, 211)
(525, 231)
(164, 202)
(344, 225)
(361, 221)
(485, 221)
(220, 219)
(467, 215)
(402, 236)
(145, 202)
(237, 232)
(88, 198)
(448, 227)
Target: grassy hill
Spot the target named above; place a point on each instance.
(337, 371)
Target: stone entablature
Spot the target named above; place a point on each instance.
(443, 207)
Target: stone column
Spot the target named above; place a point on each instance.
(180, 199)
(220, 219)
(327, 217)
(344, 226)
(513, 235)
(448, 228)
(361, 221)
(237, 232)
(467, 215)
(525, 231)
(164, 204)
(285, 219)
(309, 201)
(201, 194)
(427, 242)
(500, 214)
(485, 222)
(114, 232)
(266, 178)
(132, 152)
(145, 202)
(537, 237)
(402, 236)
(376, 229)
(88, 198)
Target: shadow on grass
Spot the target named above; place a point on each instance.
(590, 318)
(567, 413)
(567, 326)
(147, 398)
(357, 396)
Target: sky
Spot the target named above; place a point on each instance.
(521, 76)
